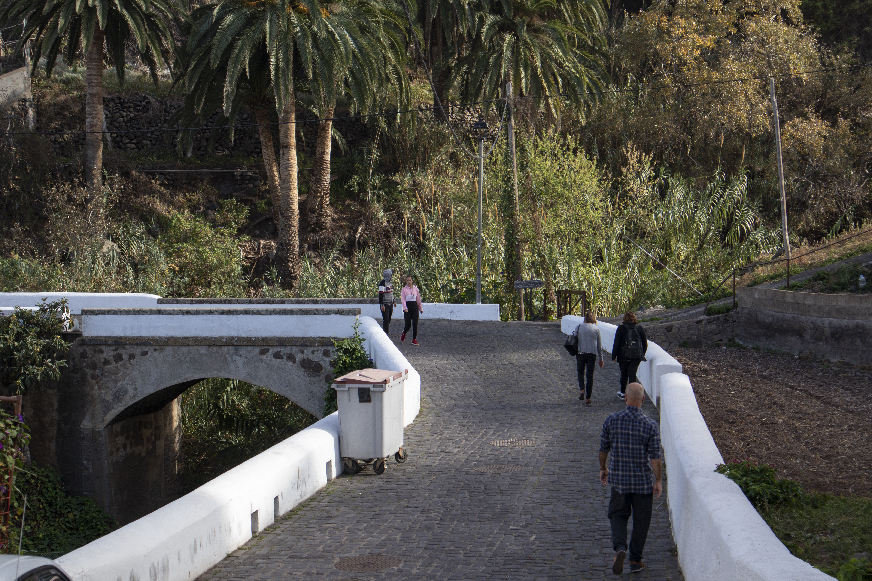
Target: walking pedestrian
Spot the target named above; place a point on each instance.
(590, 349)
(386, 298)
(635, 474)
(631, 344)
(410, 297)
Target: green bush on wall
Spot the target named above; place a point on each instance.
(350, 356)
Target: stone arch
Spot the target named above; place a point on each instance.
(131, 379)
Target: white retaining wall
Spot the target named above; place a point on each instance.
(217, 322)
(185, 538)
(79, 301)
(719, 534)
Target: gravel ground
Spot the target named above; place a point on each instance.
(808, 418)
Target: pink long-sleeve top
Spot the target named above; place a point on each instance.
(408, 294)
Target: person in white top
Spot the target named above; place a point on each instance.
(590, 349)
(410, 296)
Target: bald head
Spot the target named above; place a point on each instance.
(635, 394)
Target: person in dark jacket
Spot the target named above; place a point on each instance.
(386, 298)
(629, 362)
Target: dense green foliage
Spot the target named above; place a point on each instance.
(225, 422)
(350, 356)
(56, 522)
(31, 346)
(760, 484)
(827, 531)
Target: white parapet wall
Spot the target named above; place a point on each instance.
(185, 538)
(719, 534)
(385, 355)
(219, 322)
(78, 301)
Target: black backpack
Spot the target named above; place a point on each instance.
(632, 344)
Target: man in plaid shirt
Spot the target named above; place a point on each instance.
(633, 440)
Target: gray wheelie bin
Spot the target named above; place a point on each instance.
(370, 405)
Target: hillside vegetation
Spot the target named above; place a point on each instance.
(648, 189)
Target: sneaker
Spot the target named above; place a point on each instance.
(618, 565)
(415, 342)
(581, 396)
(587, 402)
(621, 396)
(402, 337)
(636, 566)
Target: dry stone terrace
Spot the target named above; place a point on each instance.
(462, 507)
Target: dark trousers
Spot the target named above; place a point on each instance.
(387, 313)
(584, 363)
(620, 507)
(629, 367)
(411, 317)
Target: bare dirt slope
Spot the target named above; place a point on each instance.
(808, 418)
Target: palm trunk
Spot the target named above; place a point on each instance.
(318, 202)
(94, 112)
(267, 147)
(288, 251)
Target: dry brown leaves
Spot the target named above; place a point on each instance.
(810, 419)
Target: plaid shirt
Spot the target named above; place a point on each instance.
(633, 439)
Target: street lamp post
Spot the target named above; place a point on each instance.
(480, 130)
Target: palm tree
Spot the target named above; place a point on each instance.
(245, 52)
(546, 48)
(55, 25)
(360, 54)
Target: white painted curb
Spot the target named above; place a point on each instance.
(719, 534)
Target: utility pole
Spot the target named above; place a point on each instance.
(31, 110)
(776, 127)
(511, 130)
(480, 129)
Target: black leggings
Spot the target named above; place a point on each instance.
(584, 363)
(386, 317)
(629, 367)
(411, 317)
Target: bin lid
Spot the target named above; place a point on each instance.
(369, 376)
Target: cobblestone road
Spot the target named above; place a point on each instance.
(462, 508)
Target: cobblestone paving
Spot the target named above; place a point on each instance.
(461, 508)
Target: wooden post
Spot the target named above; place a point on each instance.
(31, 110)
(734, 288)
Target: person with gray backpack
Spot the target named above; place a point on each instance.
(629, 350)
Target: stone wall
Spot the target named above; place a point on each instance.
(718, 329)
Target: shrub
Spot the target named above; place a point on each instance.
(31, 346)
(855, 570)
(350, 356)
(713, 310)
(56, 522)
(760, 483)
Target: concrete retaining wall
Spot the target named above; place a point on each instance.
(719, 534)
(185, 538)
(837, 327)
(78, 301)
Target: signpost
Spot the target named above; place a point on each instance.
(526, 286)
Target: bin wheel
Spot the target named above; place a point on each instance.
(401, 456)
(352, 466)
(379, 466)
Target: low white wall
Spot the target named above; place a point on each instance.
(218, 322)
(185, 538)
(78, 301)
(719, 534)
(385, 355)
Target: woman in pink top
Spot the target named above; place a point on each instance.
(410, 296)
